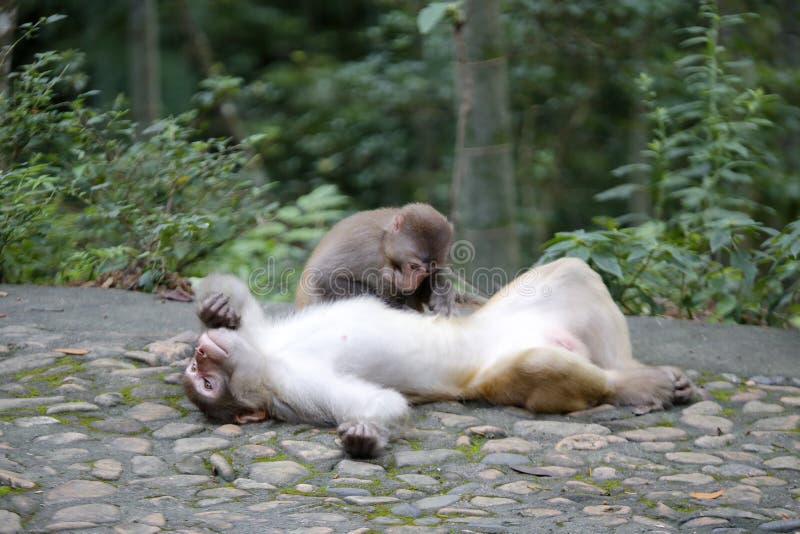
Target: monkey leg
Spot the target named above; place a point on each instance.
(545, 380)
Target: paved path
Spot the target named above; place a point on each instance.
(105, 441)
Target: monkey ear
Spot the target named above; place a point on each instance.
(252, 417)
(397, 223)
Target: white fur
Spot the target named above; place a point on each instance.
(354, 360)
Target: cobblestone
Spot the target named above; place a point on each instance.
(105, 441)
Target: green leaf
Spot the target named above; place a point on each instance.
(431, 15)
(608, 263)
(631, 169)
(743, 261)
(795, 250)
(692, 41)
(718, 239)
(637, 254)
(579, 252)
(622, 191)
(147, 280)
(54, 18)
(725, 305)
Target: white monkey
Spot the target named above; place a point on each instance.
(551, 341)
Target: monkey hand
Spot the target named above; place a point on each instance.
(216, 312)
(442, 303)
(362, 440)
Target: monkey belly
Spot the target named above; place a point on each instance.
(543, 380)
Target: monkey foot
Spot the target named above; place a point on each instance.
(216, 312)
(683, 389)
(651, 388)
(362, 440)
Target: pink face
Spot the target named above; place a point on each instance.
(205, 368)
(411, 275)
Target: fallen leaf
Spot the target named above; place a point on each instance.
(701, 495)
(3, 293)
(3, 315)
(535, 471)
(75, 352)
(178, 294)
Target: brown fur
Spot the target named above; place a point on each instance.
(224, 409)
(362, 252)
(543, 380)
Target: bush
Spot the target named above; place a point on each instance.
(83, 191)
(271, 255)
(699, 251)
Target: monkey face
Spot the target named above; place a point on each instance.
(206, 371)
(211, 378)
(410, 274)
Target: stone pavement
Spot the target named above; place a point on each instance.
(95, 435)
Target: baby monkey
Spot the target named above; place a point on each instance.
(396, 254)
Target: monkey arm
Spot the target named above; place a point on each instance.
(363, 412)
(327, 397)
(442, 293)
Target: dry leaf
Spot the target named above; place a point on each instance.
(535, 471)
(3, 315)
(3, 293)
(713, 495)
(75, 352)
(178, 294)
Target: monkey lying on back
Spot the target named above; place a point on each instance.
(396, 254)
(551, 341)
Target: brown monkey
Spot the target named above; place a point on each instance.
(551, 341)
(396, 254)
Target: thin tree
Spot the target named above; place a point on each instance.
(200, 49)
(483, 195)
(144, 76)
(8, 23)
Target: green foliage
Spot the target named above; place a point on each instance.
(271, 255)
(351, 93)
(699, 251)
(26, 194)
(435, 12)
(113, 198)
(378, 125)
(83, 192)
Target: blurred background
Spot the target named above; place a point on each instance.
(146, 140)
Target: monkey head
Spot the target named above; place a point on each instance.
(208, 379)
(416, 244)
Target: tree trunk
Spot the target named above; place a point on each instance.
(201, 53)
(790, 40)
(483, 195)
(8, 23)
(144, 79)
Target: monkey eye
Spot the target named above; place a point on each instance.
(415, 266)
(207, 384)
